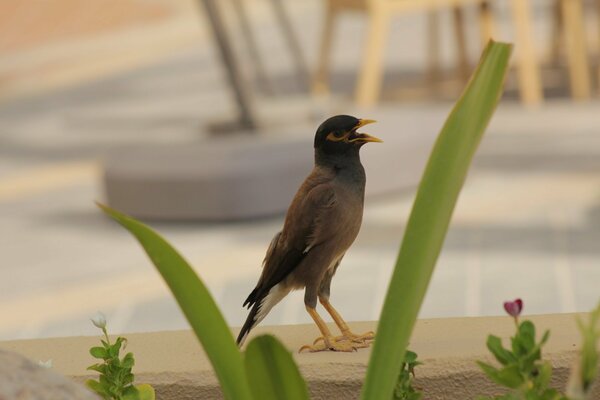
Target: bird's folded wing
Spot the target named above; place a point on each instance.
(305, 227)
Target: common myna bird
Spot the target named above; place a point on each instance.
(321, 224)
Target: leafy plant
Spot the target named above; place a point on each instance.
(116, 379)
(522, 369)
(524, 373)
(436, 197)
(423, 239)
(585, 371)
(211, 330)
(404, 386)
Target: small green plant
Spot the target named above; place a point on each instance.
(524, 372)
(116, 379)
(404, 386)
(522, 369)
(585, 371)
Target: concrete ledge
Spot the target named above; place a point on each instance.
(241, 177)
(176, 365)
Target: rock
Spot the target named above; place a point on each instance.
(21, 379)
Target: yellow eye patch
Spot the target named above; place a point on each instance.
(331, 137)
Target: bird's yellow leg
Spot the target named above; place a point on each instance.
(327, 342)
(358, 340)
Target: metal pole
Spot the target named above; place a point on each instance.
(246, 119)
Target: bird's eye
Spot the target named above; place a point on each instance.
(337, 136)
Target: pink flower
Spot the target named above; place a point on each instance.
(514, 308)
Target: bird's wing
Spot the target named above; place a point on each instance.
(303, 230)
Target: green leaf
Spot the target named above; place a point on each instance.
(96, 387)
(589, 351)
(114, 350)
(426, 229)
(551, 394)
(526, 336)
(528, 360)
(487, 368)
(508, 376)
(544, 375)
(131, 393)
(146, 392)
(545, 338)
(128, 361)
(415, 396)
(128, 378)
(197, 305)
(494, 344)
(410, 357)
(97, 367)
(99, 352)
(272, 372)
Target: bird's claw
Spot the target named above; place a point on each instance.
(359, 341)
(365, 337)
(333, 344)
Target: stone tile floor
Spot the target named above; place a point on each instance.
(527, 223)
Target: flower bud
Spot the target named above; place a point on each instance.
(513, 308)
(99, 320)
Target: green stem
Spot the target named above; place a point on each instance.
(106, 336)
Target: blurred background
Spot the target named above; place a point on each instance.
(198, 117)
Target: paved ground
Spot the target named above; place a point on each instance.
(527, 223)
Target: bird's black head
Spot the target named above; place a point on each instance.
(338, 135)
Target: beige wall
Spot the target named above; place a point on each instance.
(175, 364)
(50, 44)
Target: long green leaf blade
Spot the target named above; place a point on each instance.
(272, 372)
(434, 203)
(197, 305)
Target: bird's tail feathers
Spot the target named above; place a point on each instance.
(260, 309)
(251, 299)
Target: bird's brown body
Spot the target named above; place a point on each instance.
(322, 222)
(324, 196)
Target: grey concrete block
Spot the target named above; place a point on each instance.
(220, 179)
(249, 176)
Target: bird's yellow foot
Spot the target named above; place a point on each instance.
(329, 343)
(353, 337)
(358, 341)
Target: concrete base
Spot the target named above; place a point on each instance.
(252, 176)
(174, 363)
(218, 179)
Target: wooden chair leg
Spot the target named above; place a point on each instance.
(528, 69)
(574, 32)
(598, 42)
(433, 50)
(462, 67)
(320, 81)
(486, 23)
(598, 25)
(557, 43)
(371, 72)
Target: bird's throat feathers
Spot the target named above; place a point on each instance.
(346, 166)
(337, 160)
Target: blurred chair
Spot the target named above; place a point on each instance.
(380, 12)
(569, 34)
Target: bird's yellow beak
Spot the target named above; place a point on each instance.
(363, 122)
(363, 137)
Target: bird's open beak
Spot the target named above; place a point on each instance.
(363, 137)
